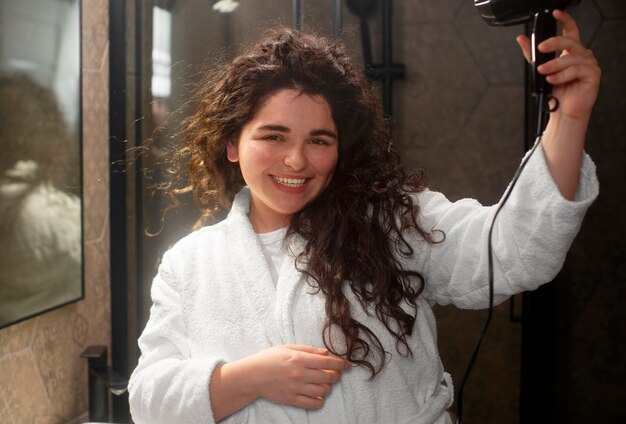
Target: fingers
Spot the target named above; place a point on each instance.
(308, 390)
(569, 68)
(570, 29)
(327, 376)
(306, 402)
(311, 396)
(524, 43)
(308, 349)
(322, 376)
(568, 42)
(307, 376)
(328, 363)
(298, 375)
(317, 358)
(574, 72)
(575, 63)
(316, 390)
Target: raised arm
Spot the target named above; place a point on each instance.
(541, 218)
(575, 76)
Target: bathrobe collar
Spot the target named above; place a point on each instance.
(273, 305)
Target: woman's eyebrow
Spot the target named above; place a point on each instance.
(282, 128)
(274, 127)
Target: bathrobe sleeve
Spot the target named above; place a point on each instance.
(169, 385)
(532, 235)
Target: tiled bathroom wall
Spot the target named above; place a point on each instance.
(42, 377)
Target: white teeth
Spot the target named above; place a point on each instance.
(290, 182)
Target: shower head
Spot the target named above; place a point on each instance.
(364, 9)
(514, 12)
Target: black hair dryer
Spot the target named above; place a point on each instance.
(514, 12)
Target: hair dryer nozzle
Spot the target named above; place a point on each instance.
(515, 12)
(503, 12)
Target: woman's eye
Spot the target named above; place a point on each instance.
(272, 137)
(319, 141)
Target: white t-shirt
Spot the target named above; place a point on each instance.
(273, 247)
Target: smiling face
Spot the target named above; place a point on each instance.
(287, 154)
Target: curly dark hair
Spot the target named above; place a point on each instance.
(354, 231)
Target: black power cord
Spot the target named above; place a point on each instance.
(543, 109)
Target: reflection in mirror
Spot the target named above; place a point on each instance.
(40, 206)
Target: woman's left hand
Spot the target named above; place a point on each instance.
(574, 75)
(575, 79)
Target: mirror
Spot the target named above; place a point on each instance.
(40, 159)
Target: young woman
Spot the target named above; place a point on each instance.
(311, 302)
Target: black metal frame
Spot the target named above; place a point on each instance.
(118, 205)
(80, 184)
(538, 345)
(296, 9)
(337, 19)
(387, 71)
(103, 380)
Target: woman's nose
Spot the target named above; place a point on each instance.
(296, 158)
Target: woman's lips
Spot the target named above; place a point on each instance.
(290, 182)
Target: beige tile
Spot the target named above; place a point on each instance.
(23, 396)
(95, 155)
(62, 371)
(17, 337)
(95, 32)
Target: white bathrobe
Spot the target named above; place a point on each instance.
(214, 302)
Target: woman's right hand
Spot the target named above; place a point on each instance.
(295, 375)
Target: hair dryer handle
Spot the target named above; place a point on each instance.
(544, 27)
